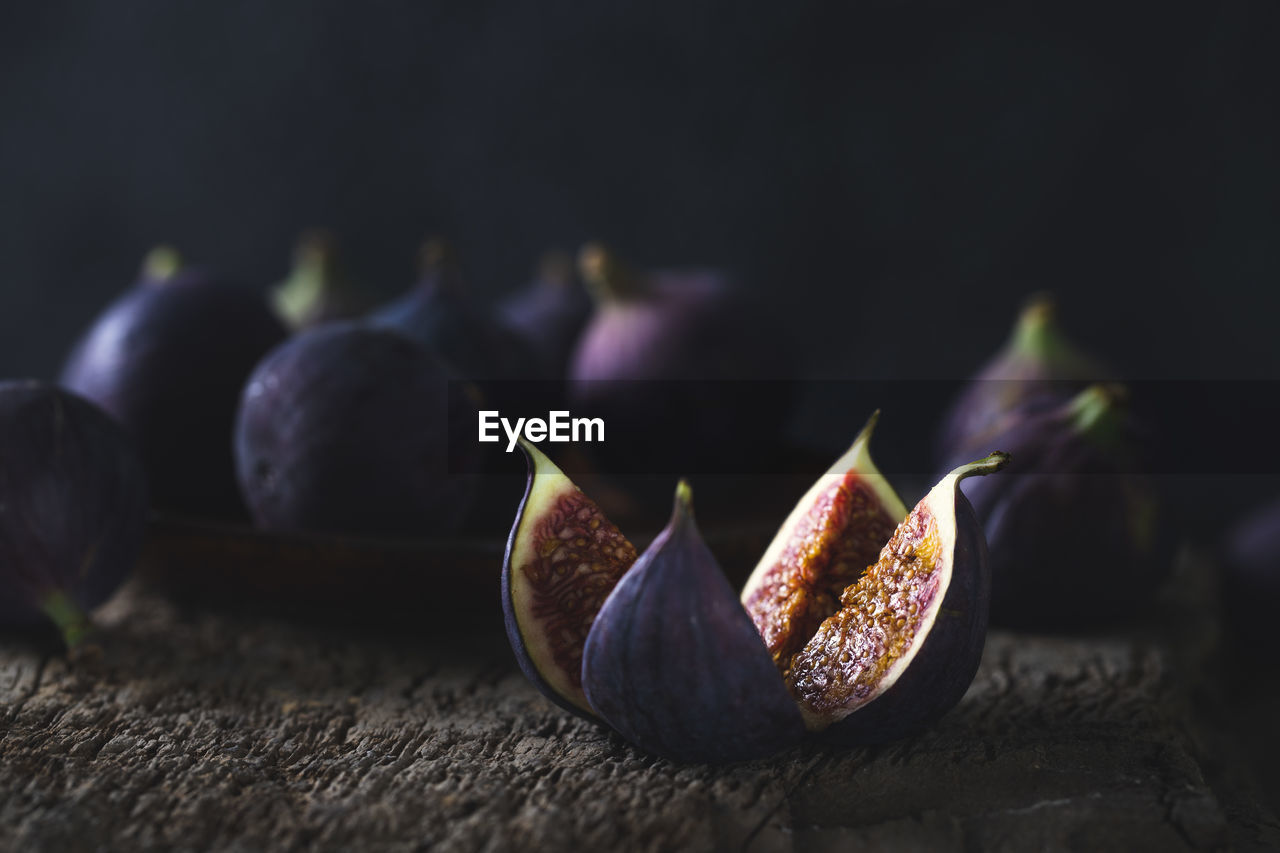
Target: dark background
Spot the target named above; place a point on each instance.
(895, 178)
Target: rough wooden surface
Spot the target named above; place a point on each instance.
(211, 730)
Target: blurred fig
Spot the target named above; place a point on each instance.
(167, 360)
(675, 665)
(1251, 586)
(349, 429)
(683, 362)
(550, 313)
(73, 507)
(1037, 367)
(1072, 526)
(317, 289)
(563, 558)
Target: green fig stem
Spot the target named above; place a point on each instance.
(684, 500)
(607, 279)
(314, 274)
(161, 264)
(988, 464)
(70, 619)
(1098, 411)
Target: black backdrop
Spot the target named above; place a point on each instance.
(896, 177)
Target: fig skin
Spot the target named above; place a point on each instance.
(550, 314)
(348, 429)
(554, 507)
(1036, 369)
(317, 289)
(439, 313)
(1073, 527)
(167, 360)
(73, 507)
(674, 663)
(679, 353)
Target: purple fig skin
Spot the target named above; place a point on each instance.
(73, 507)
(1037, 369)
(946, 664)
(1251, 580)
(167, 360)
(348, 429)
(550, 314)
(1072, 529)
(675, 665)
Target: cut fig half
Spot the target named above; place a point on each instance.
(906, 641)
(835, 531)
(563, 559)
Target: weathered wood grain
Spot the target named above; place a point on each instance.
(212, 730)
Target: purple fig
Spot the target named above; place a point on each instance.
(73, 507)
(1072, 526)
(1037, 367)
(563, 559)
(167, 360)
(439, 313)
(317, 289)
(349, 429)
(1251, 585)
(674, 663)
(550, 313)
(679, 353)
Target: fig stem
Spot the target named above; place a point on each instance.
(988, 464)
(684, 500)
(314, 273)
(161, 264)
(607, 278)
(1098, 409)
(69, 618)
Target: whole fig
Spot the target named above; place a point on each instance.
(73, 507)
(674, 664)
(317, 289)
(349, 429)
(167, 360)
(1073, 525)
(550, 313)
(1037, 367)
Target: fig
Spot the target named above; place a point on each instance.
(674, 663)
(349, 429)
(167, 359)
(1251, 583)
(550, 313)
(317, 289)
(1073, 526)
(835, 531)
(73, 507)
(439, 314)
(563, 559)
(1037, 367)
(678, 353)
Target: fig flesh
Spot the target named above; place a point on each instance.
(674, 663)
(906, 641)
(1037, 368)
(73, 507)
(348, 429)
(835, 531)
(167, 360)
(563, 559)
(1073, 527)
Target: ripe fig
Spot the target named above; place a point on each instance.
(1037, 367)
(678, 353)
(348, 429)
(439, 314)
(73, 507)
(675, 665)
(1072, 527)
(835, 531)
(167, 360)
(905, 643)
(317, 289)
(563, 559)
(550, 313)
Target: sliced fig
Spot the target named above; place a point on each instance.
(563, 559)
(906, 641)
(832, 535)
(674, 663)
